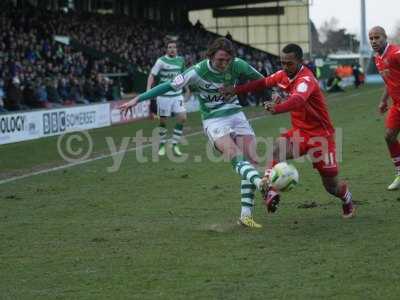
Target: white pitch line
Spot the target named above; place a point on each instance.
(89, 160)
(82, 162)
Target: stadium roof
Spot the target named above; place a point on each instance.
(192, 5)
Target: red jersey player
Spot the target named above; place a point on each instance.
(387, 60)
(312, 132)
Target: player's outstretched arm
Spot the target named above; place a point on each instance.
(152, 93)
(259, 84)
(127, 106)
(252, 86)
(292, 103)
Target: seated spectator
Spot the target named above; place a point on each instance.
(115, 90)
(30, 97)
(99, 90)
(88, 90)
(14, 97)
(108, 89)
(76, 92)
(63, 90)
(358, 75)
(52, 93)
(333, 84)
(41, 94)
(2, 94)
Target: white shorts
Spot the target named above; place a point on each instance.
(233, 125)
(168, 105)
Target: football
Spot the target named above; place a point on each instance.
(284, 177)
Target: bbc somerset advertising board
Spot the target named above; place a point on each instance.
(18, 127)
(59, 121)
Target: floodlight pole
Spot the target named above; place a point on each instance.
(310, 45)
(364, 46)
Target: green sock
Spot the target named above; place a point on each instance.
(246, 170)
(176, 137)
(163, 134)
(247, 197)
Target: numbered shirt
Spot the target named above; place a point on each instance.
(313, 117)
(388, 65)
(205, 82)
(167, 68)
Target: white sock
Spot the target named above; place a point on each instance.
(397, 170)
(246, 212)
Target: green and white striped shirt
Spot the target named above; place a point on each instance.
(167, 68)
(205, 82)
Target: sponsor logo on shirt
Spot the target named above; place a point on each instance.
(215, 98)
(178, 80)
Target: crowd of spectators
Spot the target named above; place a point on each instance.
(36, 71)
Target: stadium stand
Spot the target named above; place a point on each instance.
(39, 72)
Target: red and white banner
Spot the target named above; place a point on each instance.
(140, 111)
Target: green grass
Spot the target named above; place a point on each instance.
(164, 230)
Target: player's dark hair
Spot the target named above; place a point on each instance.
(170, 41)
(220, 44)
(293, 48)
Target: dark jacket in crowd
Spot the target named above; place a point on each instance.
(30, 97)
(14, 97)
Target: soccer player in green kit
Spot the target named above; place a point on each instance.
(166, 68)
(223, 121)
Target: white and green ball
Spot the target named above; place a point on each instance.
(284, 177)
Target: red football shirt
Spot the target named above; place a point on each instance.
(312, 116)
(388, 65)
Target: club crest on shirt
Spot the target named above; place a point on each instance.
(302, 87)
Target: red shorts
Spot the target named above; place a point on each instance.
(393, 118)
(321, 150)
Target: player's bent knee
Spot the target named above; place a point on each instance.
(181, 119)
(252, 160)
(390, 138)
(331, 189)
(391, 135)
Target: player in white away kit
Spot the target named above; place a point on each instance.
(165, 69)
(224, 123)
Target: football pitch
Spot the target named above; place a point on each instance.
(167, 230)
